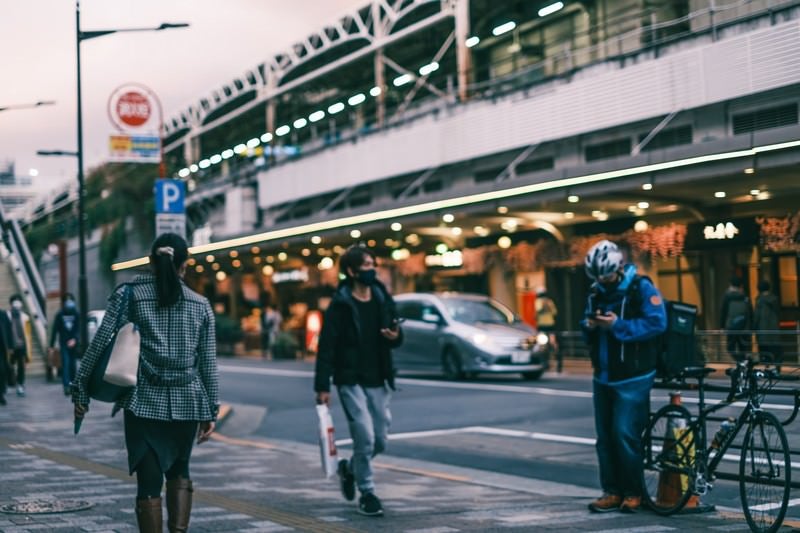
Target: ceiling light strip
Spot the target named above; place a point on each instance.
(461, 201)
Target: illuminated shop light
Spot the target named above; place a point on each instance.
(252, 143)
(552, 8)
(234, 254)
(640, 226)
(456, 231)
(283, 130)
(755, 192)
(448, 217)
(573, 198)
(472, 41)
(355, 234)
(199, 269)
(205, 163)
(356, 99)
(481, 231)
(305, 252)
(569, 215)
(502, 210)
(504, 242)
(221, 276)
(719, 194)
(375, 91)
(335, 108)
(193, 168)
(227, 154)
(299, 123)
(239, 148)
(441, 248)
(210, 258)
(749, 170)
(267, 137)
(470, 199)
(399, 81)
(325, 263)
(647, 186)
(316, 239)
(282, 256)
(255, 250)
(396, 226)
(401, 254)
(267, 270)
(504, 28)
(216, 158)
(424, 70)
(643, 205)
(316, 116)
(184, 172)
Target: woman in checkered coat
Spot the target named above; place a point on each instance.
(176, 396)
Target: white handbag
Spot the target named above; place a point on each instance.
(123, 363)
(327, 441)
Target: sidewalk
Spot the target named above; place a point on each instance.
(245, 484)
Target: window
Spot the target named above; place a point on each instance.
(763, 119)
(409, 310)
(607, 150)
(667, 138)
(535, 165)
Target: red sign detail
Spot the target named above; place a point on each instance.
(133, 108)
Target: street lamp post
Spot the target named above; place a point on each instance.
(79, 37)
(27, 106)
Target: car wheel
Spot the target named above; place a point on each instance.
(532, 375)
(451, 365)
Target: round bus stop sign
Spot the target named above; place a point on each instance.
(133, 108)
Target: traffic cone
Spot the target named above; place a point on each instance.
(672, 484)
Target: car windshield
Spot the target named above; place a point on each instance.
(472, 311)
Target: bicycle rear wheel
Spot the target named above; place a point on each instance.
(669, 460)
(765, 473)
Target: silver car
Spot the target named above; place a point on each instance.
(461, 335)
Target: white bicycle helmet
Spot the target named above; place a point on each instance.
(603, 259)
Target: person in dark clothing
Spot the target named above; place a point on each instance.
(766, 324)
(66, 327)
(624, 314)
(358, 333)
(736, 317)
(5, 348)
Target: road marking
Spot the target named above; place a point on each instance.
(772, 506)
(566, 439)
(475, 386)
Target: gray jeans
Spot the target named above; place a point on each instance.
(369, 418)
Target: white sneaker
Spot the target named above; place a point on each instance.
(20, 390)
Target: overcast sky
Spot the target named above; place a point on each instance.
(37, 62)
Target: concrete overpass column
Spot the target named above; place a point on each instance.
(380, 74)
(463, 53)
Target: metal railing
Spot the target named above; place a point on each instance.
(712, 346)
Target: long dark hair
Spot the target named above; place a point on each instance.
(167, 255)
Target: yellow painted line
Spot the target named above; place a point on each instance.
(244, 442)
(425, 473)
(286, 518)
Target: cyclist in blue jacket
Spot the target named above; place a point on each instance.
(621, 332)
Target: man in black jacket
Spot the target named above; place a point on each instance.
(66, 326)
(358, 333)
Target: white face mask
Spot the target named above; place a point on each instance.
(17, 304)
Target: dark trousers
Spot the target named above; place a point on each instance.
(621, 413)
(738, 345)
(68, 363)
(19, 358)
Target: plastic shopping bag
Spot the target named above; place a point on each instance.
(327, 445)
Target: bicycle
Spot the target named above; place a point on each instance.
(678, 463)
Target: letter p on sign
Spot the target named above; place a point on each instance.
(170, 196)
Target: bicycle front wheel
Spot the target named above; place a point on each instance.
(669, 460)
(765, 473)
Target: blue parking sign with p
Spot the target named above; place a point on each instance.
(170, 195)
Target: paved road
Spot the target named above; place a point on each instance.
(261, 472)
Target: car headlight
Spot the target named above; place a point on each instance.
(479, 339)
(542, 338)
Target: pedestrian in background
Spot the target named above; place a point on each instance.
(66, 328)
(359, 330)
(271, 321)
(546, 313)
(736, 317)
(19, 335)
(175, 399)
(766, 324)
(624, 314)
(5, 350)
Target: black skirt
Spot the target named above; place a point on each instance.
(170, 440)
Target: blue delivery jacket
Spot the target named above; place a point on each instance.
(630, 348)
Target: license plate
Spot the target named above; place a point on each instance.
(520, 357)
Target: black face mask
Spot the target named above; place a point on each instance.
(367, 277)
